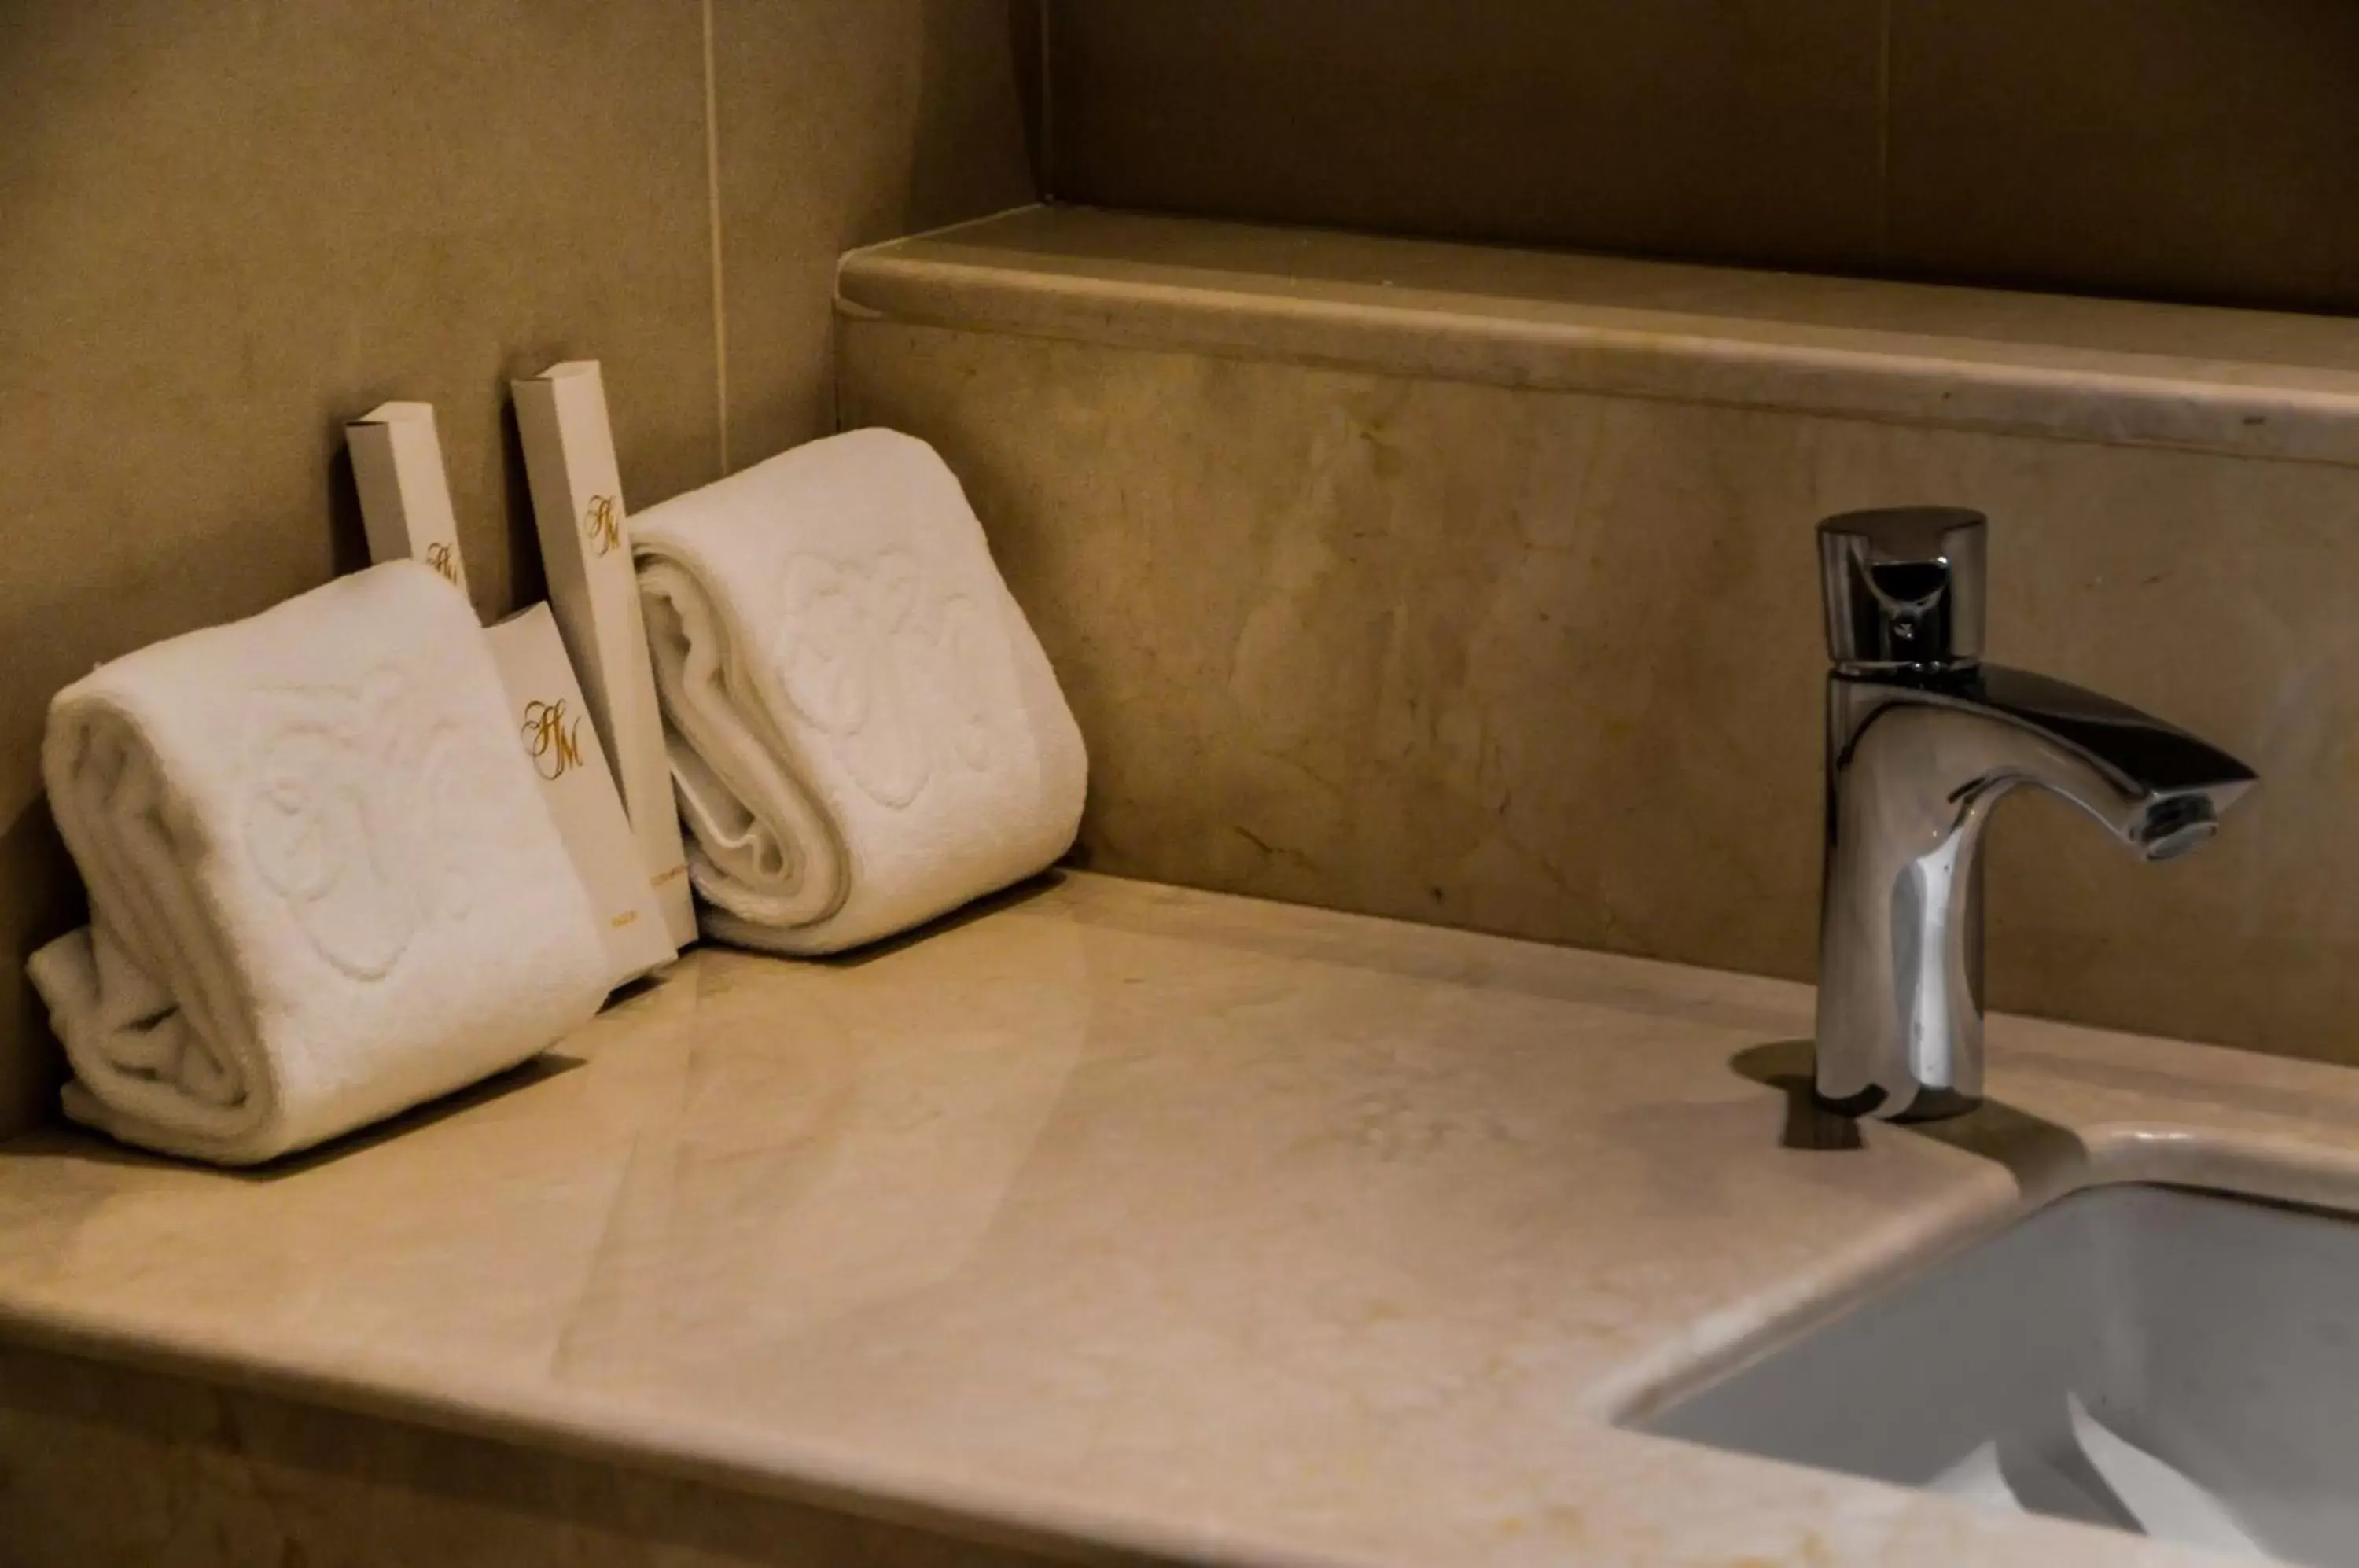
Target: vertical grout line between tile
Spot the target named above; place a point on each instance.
(1044, 178)
(712, 218)
(1883, 134)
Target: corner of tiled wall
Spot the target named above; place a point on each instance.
(229, 229)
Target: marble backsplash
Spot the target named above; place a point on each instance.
(1544, 661)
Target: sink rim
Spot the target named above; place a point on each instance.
(2286, 1172)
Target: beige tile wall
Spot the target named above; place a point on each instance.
(224, 229)
(1709, 128)
(2190, 149)
(1549, 664)
(846, 122)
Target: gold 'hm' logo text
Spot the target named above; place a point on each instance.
(602, 525)
(552, 739)
(444, 559)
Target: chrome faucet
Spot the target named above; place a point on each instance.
(1922, 740)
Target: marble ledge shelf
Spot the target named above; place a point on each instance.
(2246, 382)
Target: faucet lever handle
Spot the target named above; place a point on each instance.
(1903, 587)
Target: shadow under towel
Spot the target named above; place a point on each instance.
(864, 733)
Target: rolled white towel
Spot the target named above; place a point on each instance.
(864, 730)
(323, 884)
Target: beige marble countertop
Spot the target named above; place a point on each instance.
(1159, 1221)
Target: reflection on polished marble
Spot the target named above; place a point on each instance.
(1151, 1220)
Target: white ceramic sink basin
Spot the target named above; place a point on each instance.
(2213, 1342)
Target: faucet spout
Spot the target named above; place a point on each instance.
(1919, 752)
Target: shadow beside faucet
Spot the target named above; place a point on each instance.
(2032, 1149)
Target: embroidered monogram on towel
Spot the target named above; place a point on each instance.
(877, 659)
(864, 730)
(324, 883)
(349, 817)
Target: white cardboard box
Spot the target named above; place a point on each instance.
(406, 510)
(585, 545)
(405, 493)
(553, 722)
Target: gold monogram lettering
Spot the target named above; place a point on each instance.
(602, 523)
(552, 739)
(444, 560)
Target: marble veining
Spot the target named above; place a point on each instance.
(1550, 662)
(1164, 1222)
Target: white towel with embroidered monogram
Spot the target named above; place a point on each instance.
(323, 884)
(864, 733)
